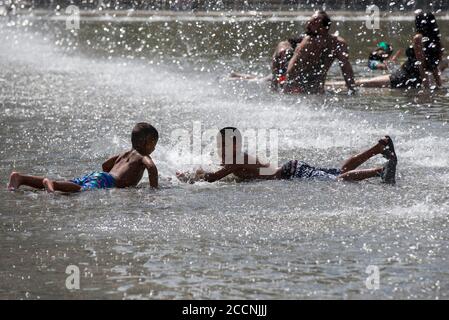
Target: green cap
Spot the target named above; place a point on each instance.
(385, 46)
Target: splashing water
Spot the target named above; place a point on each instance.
(69, 100)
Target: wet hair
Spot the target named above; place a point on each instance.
(426, 24)
(142, 132)
(226, 150)
(236, 135)
(294, 41)
(382, 52)
(326, 20)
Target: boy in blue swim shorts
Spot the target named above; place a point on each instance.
(245, 167)
(121, 171)
(95, 180)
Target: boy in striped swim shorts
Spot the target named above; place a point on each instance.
(246, 167)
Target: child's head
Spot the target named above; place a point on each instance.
(385, 49)
(318, 24)
(229, 144)
(144, 138)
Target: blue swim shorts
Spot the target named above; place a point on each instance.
(95, 180)
(372, 64)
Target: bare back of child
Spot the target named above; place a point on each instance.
(128, 168)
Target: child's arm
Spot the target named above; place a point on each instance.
(436, 75)
(345, 65)
(202, 175)
(214, 176)
(419, 53)
(109, 164)
(395, 56)
(152, 171)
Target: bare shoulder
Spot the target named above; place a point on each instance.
(340, 41)
(340, 45)
(305, 41)
(417, 38)
(307, 38)
(284, 43)
(122, 155)
(129, 155)
(148, 162)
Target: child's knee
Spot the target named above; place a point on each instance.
(344, 176)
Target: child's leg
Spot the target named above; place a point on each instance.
(63, 186)
(358, 175)
(241, 76)
(355, 161)
(376, 82)
(16, 180)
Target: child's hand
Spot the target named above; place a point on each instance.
(182, 176)
(200, 171)
(186, 177)
(199, 174)
(395, 56)
(191, 177)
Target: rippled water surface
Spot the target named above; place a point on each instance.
(69, 99)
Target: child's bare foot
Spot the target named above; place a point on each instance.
(49, 185)
(233, 75)
(15, 180)
(388, 148)
(239, 76)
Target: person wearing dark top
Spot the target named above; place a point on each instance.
(281, 58)
(423, 58)
(379, 58)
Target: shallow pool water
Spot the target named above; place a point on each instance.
(69, 99)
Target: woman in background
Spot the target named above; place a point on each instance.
(423, 58)
(380, 58)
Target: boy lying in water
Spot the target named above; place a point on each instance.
(121, 171)
(249, 167)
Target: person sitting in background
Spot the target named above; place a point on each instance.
(423, 59)
(300, 65)
(314, 55)
(378, 58)
(279, 63)
(281, 58)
